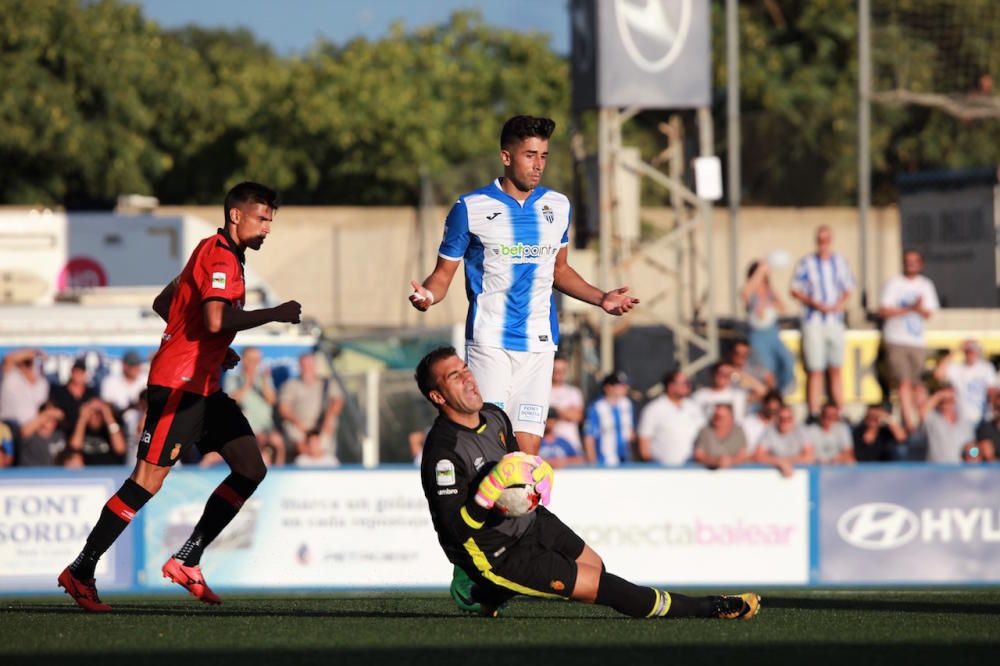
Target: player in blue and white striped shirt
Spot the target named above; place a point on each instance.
(513, 235)
(823, 283)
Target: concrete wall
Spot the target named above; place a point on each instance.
(351, 267)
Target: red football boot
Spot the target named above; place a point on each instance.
(84, 592)
(192, 579)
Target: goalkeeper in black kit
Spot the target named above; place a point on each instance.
(534, 554)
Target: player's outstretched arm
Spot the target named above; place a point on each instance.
(435, 287)
(220, 315)
(568, 281)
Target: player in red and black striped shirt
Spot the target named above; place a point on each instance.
(203, 308)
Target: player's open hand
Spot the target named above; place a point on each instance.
(421, 298)
(617, 301)
(231, 359)
(289, 312)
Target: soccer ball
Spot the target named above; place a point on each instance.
(518, 500)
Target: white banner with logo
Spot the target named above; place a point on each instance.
(691, 527)
(337, 528)
(44, 521)
(357, 528)
(909, 524)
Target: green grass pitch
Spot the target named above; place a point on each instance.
(802, 627)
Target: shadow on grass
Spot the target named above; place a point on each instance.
(785, 653)
(185, 610)
(929, 605)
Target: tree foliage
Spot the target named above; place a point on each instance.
(97, 100)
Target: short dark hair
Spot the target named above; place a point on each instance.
(250, 192)
(519, 128)
(425, 381)
(773, 394)
(670, 376)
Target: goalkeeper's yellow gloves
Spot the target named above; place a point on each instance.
(515, 469)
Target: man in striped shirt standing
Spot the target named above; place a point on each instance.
(823, 283)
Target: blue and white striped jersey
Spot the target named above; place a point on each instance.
(823, 280)
(611, 426)
(510, 253)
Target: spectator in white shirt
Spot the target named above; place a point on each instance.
(907, 301)
(669, 424)
(823, 283)
(757, 423)
(724, 388)
(122, 390)
(568, 402)
(974, 381)
(23, 389)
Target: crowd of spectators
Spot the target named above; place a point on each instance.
(949, 413)
(86, 422)
(738, 414)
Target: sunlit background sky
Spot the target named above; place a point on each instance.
(292, 26)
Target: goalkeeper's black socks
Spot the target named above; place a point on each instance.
(638, 601)
(117, 513)
(220, 509)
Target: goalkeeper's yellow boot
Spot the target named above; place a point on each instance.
(736, 607)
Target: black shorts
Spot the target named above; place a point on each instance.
(177, 419)
(541, 564)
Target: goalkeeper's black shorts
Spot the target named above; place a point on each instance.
(541, 564)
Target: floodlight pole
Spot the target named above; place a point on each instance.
(607, 130)
(733, 148)
(864, 139)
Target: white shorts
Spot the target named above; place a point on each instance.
(823, 345)
(518, 382)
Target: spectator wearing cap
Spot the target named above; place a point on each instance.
(721, 443)
(72, 395)
(121, 390)
(608, 432)
(974, 381)
(23, 389)
(823, 283)
(669, 424)
(556, 450)
(723, 388)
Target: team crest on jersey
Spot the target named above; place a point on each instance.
(547, 213)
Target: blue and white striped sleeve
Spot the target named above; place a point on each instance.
(800, 278)
(846, 276)
(592, 424)
(456, 233)
(569, 221)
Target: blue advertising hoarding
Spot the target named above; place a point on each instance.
(909, 524)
